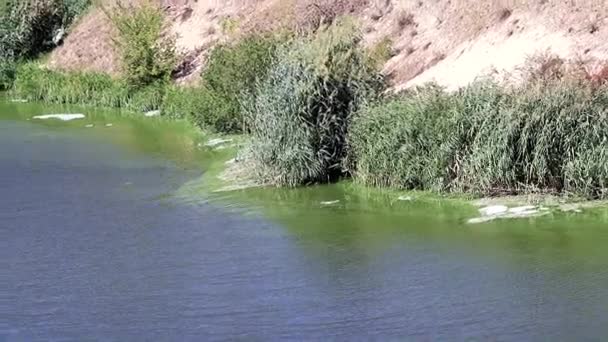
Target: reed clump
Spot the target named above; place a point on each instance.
(299, 115)
(487, 140)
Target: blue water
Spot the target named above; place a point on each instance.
(95, 246)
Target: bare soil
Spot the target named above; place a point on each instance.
(451, 42)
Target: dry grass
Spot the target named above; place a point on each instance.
(311, 14)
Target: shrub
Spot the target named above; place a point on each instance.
(147, 98)
(147, 55)
(232, 71)
(72, 9)
(197, 104)
(382, 52)
(7, 73)
(27, 29)
(315, 14)
(545, 136)
(299, 115)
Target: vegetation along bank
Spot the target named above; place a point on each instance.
(316, 108)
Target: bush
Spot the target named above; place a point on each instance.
(27, 29)
(200, 106)
(299, 115)
(147, 55)
(7, 73)
(232, 71)
(72, 9)
(547, 136)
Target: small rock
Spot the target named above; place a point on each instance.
(405, 198)
(109, 125)
(89, 126)
(19, 100)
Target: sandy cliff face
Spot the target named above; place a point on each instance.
(451, 42)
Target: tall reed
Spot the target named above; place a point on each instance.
(487, 140)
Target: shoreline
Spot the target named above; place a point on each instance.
(228, 170)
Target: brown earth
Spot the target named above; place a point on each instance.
(451, 42)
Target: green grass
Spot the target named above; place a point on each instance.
(231, 73)
(36, 83)
(487, 140)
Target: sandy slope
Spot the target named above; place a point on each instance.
(448, 41)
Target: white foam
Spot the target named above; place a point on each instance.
(62, 117)
(492, 213)
(518, 210)
(494, 210)
(152, 113)
(330, 202)
(216, 142)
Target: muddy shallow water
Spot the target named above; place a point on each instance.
(107, 236)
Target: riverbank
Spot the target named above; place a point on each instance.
(544, 119)
(226, 175)
(313, 108)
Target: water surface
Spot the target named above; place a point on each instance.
(102, 241)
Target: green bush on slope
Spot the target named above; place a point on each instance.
(231, 73)
(147, 55)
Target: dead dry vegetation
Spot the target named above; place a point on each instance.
(451, 42)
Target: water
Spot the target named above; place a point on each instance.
(104, 239)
